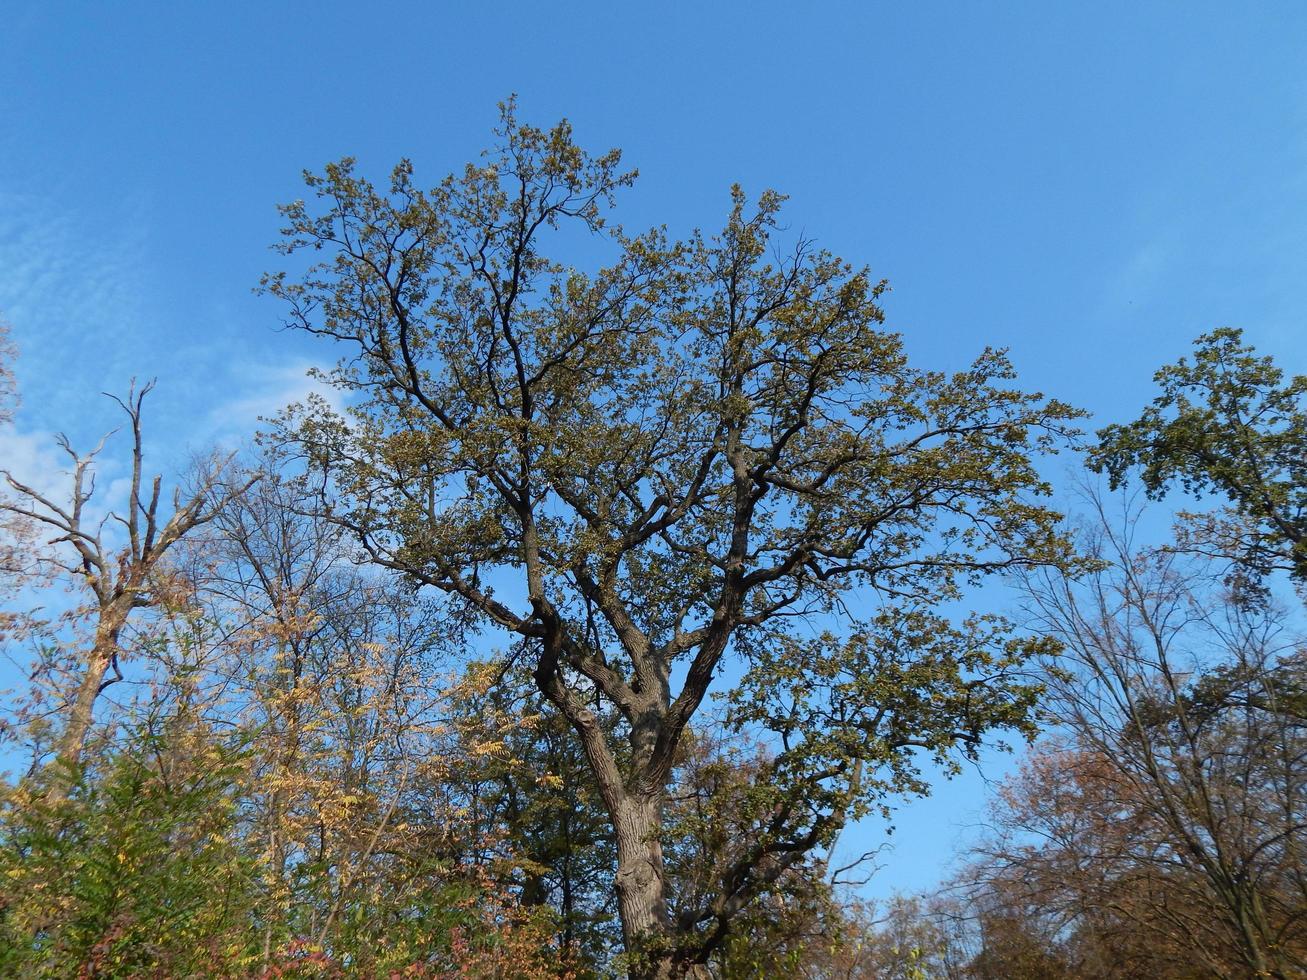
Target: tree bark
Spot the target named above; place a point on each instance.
(81, 712)
(641, 897)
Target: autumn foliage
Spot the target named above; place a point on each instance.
(572, 637)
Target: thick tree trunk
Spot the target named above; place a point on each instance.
(641, 898)
(79, 715)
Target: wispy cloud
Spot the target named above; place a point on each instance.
(76, 297)
(77, 292)
(263, 392)
(34, 459)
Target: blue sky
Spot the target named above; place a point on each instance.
(1091, 185)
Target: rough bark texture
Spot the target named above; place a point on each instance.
(640, 885)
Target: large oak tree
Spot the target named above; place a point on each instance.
(702, 461)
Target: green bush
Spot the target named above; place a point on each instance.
(137, 873)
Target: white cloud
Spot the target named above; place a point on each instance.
(34, 459)
(75, 295)
(265, 391)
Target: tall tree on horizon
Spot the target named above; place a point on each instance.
(704, 452)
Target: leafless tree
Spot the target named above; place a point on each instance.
(120, 575)
(1176, 806)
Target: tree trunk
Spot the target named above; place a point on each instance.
(1253, 932)
(82, 710)
(641, 899)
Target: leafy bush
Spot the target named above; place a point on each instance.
(138, 872)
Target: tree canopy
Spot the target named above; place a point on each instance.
(1228, 422)
(623, 573)
(703, 452)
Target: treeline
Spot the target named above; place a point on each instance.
(574, 641)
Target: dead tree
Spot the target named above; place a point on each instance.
(119, 575)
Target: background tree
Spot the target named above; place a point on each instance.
(17, 568)
(836, 936)
(8, 384)
(119, 576)
(290, 728)
(526, 781)
(345, 681)
(138, 871)
(1230, 423)
(1169, 827)
(701, 451)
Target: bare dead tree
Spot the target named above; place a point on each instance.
(120, 576)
